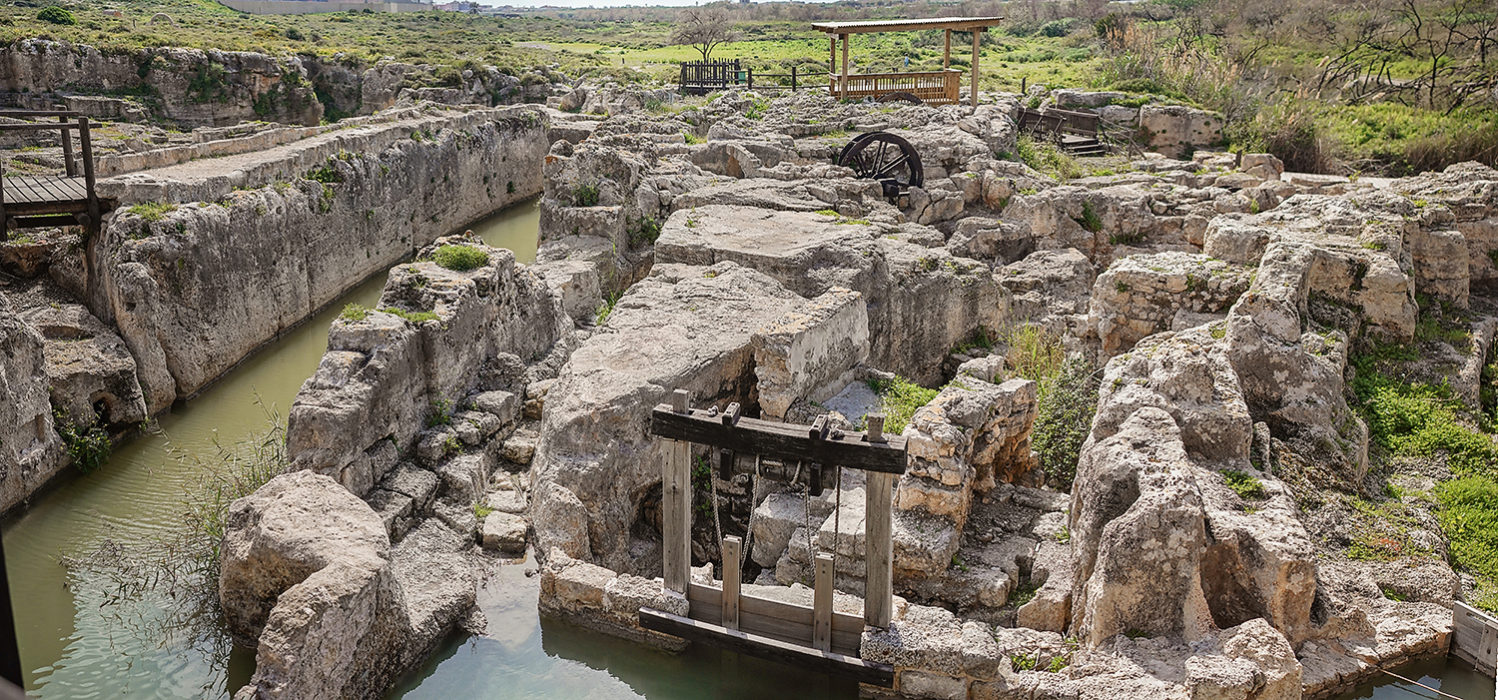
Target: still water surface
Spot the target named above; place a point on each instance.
(74, 645)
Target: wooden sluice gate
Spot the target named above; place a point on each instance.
(815, 636)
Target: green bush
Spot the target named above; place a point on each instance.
(1046, 158)
(57, 15)
(1065, 403)
(460, 258)
(645, 232)
(1090, 220)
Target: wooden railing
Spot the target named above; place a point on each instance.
(701, 78)
(51, 200)
(940, 87)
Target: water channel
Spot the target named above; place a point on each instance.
(76, 641)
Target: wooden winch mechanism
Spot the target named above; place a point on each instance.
(814, 637)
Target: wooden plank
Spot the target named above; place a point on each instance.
(787, 622)
(767, 648)
(36, 127)
(845, 67)
(676, 485)
(821, 626)
(1474, 638)
(783, 441)
(879, 549)
(946, 53)
(67, 149)
(732, 548)
(906, 25)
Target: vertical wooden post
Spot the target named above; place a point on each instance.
(946, 54)
(793, 78)
(67, 150)
(843, 91)
(879, 548)
(86, 144)
(973, 90)
(821, 627)
(732, 548)
(676, 497)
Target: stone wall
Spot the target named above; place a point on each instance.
(386, 374)
(262, 247)
(30, 449)
(189, 86)
(596, 598)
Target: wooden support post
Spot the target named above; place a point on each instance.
(879, 548)
(832, 62)
(676, 497)
(793, 78)
(946, 53)
(67, 150)
(821, 625)
(973, 90)
(732, 548)
(87, 145)
(843, 90)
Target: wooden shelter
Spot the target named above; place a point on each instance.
(943, 87)
(52, 200)
(813, 636)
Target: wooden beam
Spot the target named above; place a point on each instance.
(821, 605)
(977, 39)
(907, 25)
(732, 548)
(67, 150)
(767, 648)
(879, 549)
(785, 442)
(843, 93)
(946, 54)
(676, 501)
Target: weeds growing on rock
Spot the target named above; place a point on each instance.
(1046, 158)
(900, 398)
(606, 308)
(1090, 221)
(153, 211)
(1247, 486)
(417, 317)
(442, 413)
(354, 312)
(645, 232)
(460, 258)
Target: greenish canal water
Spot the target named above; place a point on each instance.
(77, 642)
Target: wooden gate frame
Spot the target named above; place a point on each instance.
(771, 629)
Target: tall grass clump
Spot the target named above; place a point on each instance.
(1046, 158)
(166, 584)
(899, 399)
(1065, 403)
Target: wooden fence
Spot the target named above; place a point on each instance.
(941, 87)
(702, 77)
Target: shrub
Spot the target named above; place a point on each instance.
(460, 258)
(645, 232)
(442, 413)
(585, 195)
(57, 15)
(1090, 220)
(1065, 403)
(88, 446)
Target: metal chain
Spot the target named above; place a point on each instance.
(837, 513)
(749, 532)
(717, 521)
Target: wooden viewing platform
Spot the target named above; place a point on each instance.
(32, 201)
(943, 87)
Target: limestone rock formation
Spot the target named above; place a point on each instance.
(30, 449)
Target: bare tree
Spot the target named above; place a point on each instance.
(704, 28)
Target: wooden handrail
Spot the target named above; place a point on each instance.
(40, 126)
(24, 113)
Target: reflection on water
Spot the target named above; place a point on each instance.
(1446, 675)
(521, 656)
(75, 646)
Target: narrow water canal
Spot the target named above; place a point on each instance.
(74, 645)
